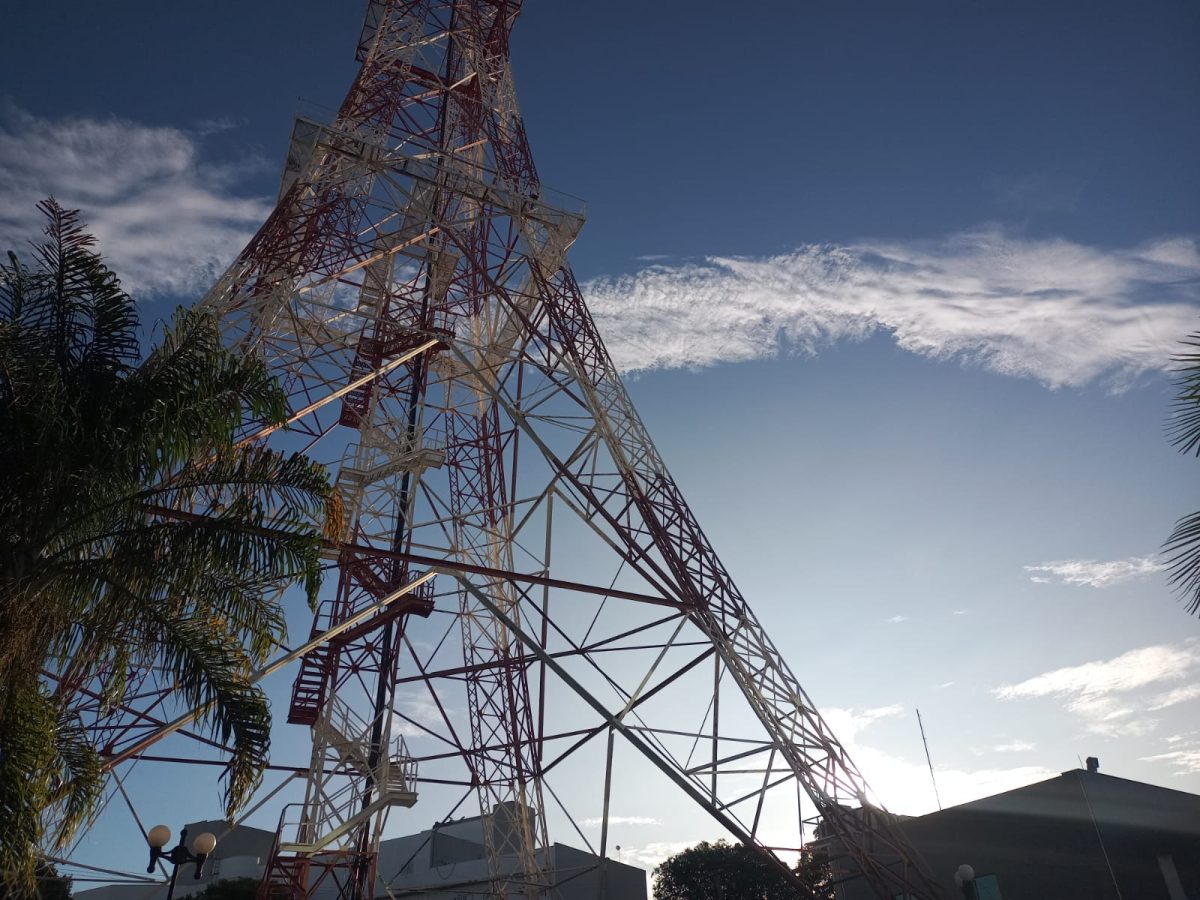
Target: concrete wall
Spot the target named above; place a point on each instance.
(457, 870)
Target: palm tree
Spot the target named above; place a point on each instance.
(135, 532)
(1182, 548)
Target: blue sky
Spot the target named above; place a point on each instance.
(896, 287)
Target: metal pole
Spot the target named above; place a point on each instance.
(175, 864)
(171, 883)
(929, 761)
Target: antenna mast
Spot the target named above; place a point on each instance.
(412, 294)
(929, 761)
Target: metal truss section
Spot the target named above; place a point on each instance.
(411, 293)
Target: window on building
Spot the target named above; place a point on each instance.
(987, 887)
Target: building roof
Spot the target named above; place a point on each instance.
(1076, 836)
(1082, 796)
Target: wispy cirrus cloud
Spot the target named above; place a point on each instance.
(1179, 695)
(1094, 573)
(847, 724)
(623, 820)
(1131, 670)
(1015, 747)
(1057, 311)
(903, 784)
(167, 220)
(1107, 694)
(417, 715)
(1182, 753)
(1184, 762)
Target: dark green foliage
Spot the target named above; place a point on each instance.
(134, 532)
(1182, 548)
(229, 889)
(49, 885)
(812, 868)
(724, 871)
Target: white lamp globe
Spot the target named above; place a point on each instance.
(204, 843)
(963, 874)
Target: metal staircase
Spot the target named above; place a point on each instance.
(311, 686)
(314, 836)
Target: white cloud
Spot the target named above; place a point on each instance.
(1185, 762)
(1098, 691)
(647, 856)
(903, 785)
(217, 125)
(422, 710)
(1134, 669)
(895, 620)
(847, 724)
(1178, 695)
(1090, 573)
(1060, 312)
(1015, 747)
(167, 222)
(1057, 311)
(623, 820)
(1183, 753)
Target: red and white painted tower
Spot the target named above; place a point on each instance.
(525, 581)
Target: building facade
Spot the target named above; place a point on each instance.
(1081, 836)
(446, 862)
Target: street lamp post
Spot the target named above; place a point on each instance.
(202, 846)
(964, 877)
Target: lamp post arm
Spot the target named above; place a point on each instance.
(177, 856)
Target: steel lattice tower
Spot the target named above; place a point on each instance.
(411, 292)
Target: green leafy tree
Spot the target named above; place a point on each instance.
(134, 531)
(1182, 548)
(724, 871)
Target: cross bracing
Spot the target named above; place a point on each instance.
(551, 600)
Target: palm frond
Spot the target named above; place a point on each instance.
(32, 774)
(134, 533)
(193, 394)
(74, 302)
(79, 783)
(15, 281)
(1183, 427)
(1182, 551)
(213, 672)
